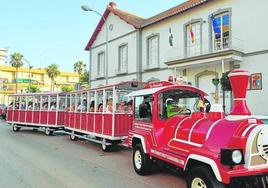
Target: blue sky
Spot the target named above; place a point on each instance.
(53, 31)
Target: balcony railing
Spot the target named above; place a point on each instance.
(205, 48)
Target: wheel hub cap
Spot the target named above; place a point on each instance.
(137, 159)
(198, 183)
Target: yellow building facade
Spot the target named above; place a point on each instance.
(28, 76)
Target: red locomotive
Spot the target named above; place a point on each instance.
(213, 149)
(171, 122)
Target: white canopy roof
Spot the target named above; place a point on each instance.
(146, 91)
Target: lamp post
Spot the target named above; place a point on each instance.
(29, 73)
(86, 8)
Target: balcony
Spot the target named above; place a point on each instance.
(207, 51)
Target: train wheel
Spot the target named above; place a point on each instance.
(48, 132)
(73, 137)
(104, 146)
(141, 161)
(15, 128)
(201, 177)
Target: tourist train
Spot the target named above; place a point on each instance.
(160, 121)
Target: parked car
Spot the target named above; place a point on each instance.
(3, 111)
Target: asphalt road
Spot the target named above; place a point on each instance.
(32, 160)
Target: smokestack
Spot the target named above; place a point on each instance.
(239, 81)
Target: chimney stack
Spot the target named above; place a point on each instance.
(239, 81)
(112, 5)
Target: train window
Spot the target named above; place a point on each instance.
(61, 105)
(29, 103)
(143, 107)
(44, 103)
(36, 103)
(91, 100)
(177, 101)
(53, 103)
(99, 102)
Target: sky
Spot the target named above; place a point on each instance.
(57, 31)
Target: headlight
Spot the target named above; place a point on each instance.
(232, 157)
(237, 156)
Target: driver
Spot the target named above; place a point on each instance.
(172, 108)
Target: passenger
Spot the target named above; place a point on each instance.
(145, 109)
(84, 105)
(67, 109)
(45, 106)
(120, 107)
(79, 107)
(53, 106)
(129, 107)
(30, 105)
(172, 108)
(92, 106)
(109, 108)
(100, 107)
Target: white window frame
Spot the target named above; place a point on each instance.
(100, 73)
(193, 49)
(150, 63)
(223, 42)
(122, 60)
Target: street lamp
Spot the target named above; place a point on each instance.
(29, 74)
(86, 8)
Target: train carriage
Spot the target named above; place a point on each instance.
(36, 110)
(101, 115)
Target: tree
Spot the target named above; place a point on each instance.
(53, 72)
(79, 67)
(67, 88)
(16, 61)
(85, 77)
(33, 89)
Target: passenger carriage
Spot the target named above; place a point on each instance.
(36, 110)
(101, 115)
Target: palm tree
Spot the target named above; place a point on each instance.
(79, 67)
(16, 61)
(53, 72)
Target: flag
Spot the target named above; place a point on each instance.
(170, 37)
(192, 33)
(216, 25)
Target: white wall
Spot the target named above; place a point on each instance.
(124, 34)
(258, 99)
(120, 27)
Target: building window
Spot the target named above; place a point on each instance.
(101, 64)
(123, 58)
(193, 38)
(153, 51)
(220, 24)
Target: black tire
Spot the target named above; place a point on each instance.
(15, 128)
(48, 132)
(141, 161)
(105, 147)
(201, 177)
(73, 137)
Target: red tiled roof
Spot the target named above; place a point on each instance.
(138, 22)
(133, 20)
(174, 11)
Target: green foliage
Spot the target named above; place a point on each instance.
(84, 78)
(67, 88)
(16, 60)
(53, 71)
(79, 67)
(225, 82)
(33, 89)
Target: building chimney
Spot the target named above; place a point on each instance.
(112, 5)
(239, 81)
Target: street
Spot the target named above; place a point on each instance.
(31, 159)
